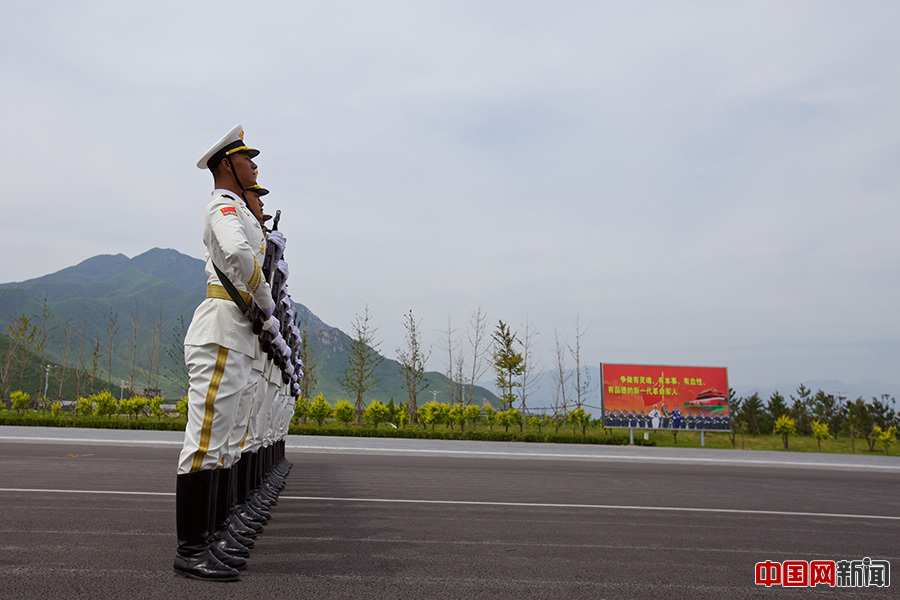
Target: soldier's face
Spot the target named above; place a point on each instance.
(255, 203)
(244, 168)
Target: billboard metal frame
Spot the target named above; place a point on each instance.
(684, 403)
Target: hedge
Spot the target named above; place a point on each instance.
(482, 435)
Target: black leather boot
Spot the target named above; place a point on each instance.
(194, 500)
(223, 540)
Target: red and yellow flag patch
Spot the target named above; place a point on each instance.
(228, 209)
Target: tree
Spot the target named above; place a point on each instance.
(578, 418)
(561, 376)
(133, 406)
(752, 412)
(319, 409)
(490, 416)
(308, 380)
(7, 364)
(135, 334)
(112, 328)
(154, 356)
(95, 363)
(785, 426)
(181, 407)
(738, 422)
(176, 370)
(456, 392)
(362, 361)
(61, 373)
(411, 360)
(820, 432)
(344, 412)
(860, 423)
(507, 363)
(402, 417)
(886, 436)
(22, 336)
(529, 366)
(476, 331)
(457, 415)
(41, 345)
(503, 419)
(801, 410)
(85, 406)
(582, 388)
(882, 412)
(106, 404)
(376, 413)
(830, 411)
(776, 408)
(515, 418)
(434, 413)
(19, 400)
(81, 371)
(154, 405)
(301, 410)
(473, 415)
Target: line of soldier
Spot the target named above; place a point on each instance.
(241, 351)
(667, 420)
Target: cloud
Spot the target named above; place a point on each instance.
(701, 182)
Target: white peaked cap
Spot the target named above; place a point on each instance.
(232, 143)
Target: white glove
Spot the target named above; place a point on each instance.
(283, 267)
(277, 239)
(273, 326)
(280, 347)
(266, 312)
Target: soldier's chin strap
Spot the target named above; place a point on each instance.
(238, 181)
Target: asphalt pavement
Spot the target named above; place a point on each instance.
(90, 514)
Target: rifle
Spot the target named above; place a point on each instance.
(269, 261)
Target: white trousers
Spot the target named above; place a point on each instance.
(242, 417)
(253, 440)
(273, 398)
(218, 378)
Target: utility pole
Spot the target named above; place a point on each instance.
(46, 379)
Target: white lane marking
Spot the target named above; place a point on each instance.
(723, 460)
(102, 492)
(782, 513)
(93, 441)
(608, 457)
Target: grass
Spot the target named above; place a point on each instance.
(796, 443)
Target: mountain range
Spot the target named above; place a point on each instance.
(126, 310)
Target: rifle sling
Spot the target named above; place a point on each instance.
(232, 291)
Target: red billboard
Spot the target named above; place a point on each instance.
(665, 397)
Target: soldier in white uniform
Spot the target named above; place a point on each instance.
(219, 350)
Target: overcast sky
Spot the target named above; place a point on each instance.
(700, 183)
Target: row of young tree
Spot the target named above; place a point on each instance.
(821, 415)
(512, 357)
(432, 414)
(84, 365)
(86, 362)
(101, 404)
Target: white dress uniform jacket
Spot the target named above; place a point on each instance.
(235, 243)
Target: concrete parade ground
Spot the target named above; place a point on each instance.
(91, 514)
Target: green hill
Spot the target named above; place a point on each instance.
(122, 320)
